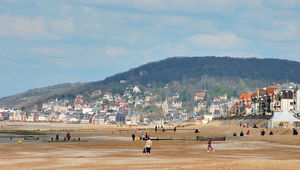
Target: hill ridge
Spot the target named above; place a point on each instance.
(210, 72)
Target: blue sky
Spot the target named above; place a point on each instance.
(47, 42)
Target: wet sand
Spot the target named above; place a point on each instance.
(104, 149)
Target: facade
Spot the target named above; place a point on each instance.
(199, 96)
(298, 99)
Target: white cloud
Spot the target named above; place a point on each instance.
(90, 11)
(285, 3)
(46, 51)
(218, 41)
(63, 26)
(65, 8)
(114, 51)
(24, 27)
(282, 31)
(33, 28)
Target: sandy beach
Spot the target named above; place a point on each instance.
(110, 147)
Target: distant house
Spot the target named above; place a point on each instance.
(62, 117)
(136, 89)
(31, 117)
(199, 96)
(122, 103)
(112, 117)
(73, 119)
(127, 94)
(207, 118)
(108, 96)
(245, 104)
(53, 117)
(117, 97)
(42, 118)
(220, 98)
(85, 119)
(78, 101)
(132, 119)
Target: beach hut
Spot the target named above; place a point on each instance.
(284, 119)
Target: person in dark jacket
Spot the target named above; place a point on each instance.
(262, 133)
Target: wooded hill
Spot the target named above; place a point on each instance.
(183, 75)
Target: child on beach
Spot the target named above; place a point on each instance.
(209, 145)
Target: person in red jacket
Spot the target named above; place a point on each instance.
(248, 132)
(68, 136)
(209, 145)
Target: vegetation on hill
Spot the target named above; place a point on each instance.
(182, 75)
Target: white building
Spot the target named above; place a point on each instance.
(87, 110)
(42, 118)
(136, 89)
(207, 118)
(287, 104)
(298, 100)
(62, 117)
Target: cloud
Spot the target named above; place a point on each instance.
(46, 51)
(63, 26)
(217, 41)
(187, 6)
(34, 28)
(90, 11)
(65, 8)
(114, 51)
(281, 31)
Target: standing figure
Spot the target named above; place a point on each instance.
(262, 133)
(68, 136)
(133, 137)
(209, 145)
(175, 129)
(248, 132)
(57, 137)
(295, 132)
(155, 128)
(148, 146)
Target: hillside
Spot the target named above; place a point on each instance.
(184, 75)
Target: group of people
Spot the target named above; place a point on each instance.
(262, 133)
(67, 137)
(242, 133)
(142, 137)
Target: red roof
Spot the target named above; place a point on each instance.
(245, 97)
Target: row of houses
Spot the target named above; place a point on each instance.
(268, 100)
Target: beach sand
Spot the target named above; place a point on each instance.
(102, 148)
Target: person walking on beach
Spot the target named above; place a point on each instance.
(209, 145)
(148, 146)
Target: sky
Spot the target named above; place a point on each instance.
(48, 42)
